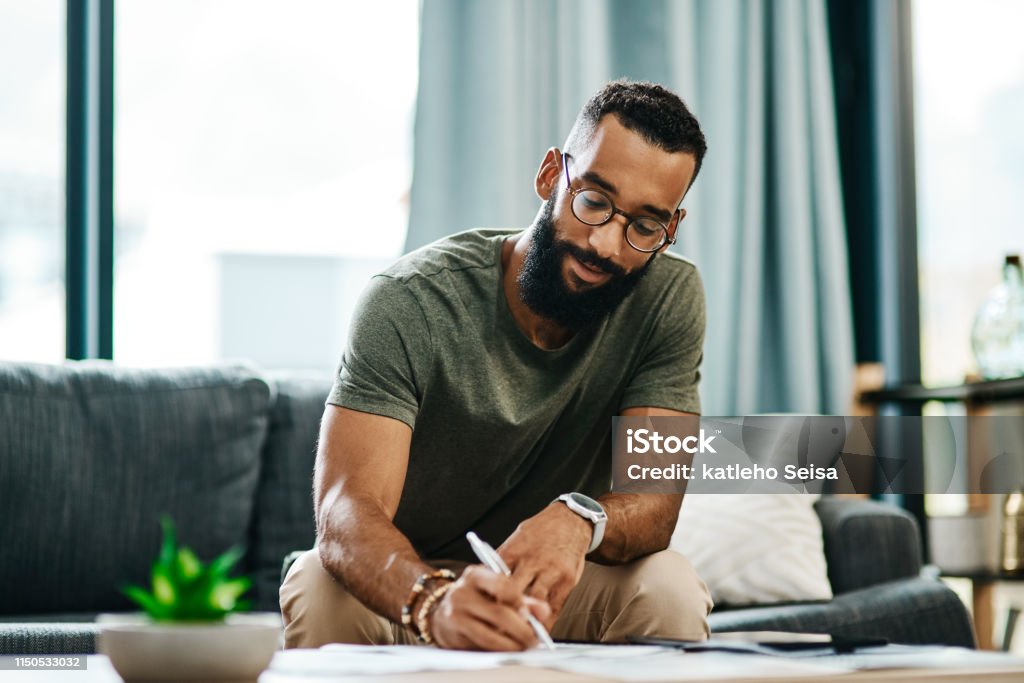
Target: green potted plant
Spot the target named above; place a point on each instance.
(192, 625)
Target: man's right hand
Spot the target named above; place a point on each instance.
(486, 611)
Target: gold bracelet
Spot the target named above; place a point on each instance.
(426, 608)
(414, 593)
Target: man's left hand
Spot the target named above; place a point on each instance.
(546, 554)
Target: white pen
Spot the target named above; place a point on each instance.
(492, 560)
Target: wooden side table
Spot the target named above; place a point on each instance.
(983, 584)
(978, 399)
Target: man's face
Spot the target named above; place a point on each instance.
(574, 273)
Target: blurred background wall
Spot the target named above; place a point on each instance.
(182, 182)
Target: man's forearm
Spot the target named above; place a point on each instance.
(638, 525)
(361, 547)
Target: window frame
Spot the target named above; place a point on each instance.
(89, 180)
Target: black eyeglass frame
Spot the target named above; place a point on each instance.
(666, 237)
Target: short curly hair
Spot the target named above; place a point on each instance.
(651, 110)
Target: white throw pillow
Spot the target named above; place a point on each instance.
(754, 548)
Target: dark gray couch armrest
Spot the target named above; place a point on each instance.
(914, 611)
(867, 542)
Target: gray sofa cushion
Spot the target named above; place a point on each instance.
(66, 638)
(284, 502)
(91, 455)
(867, 542)
(917, 610)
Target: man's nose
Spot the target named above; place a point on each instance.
(606, 240)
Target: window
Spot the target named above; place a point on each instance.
(263, 158)
(32, 180)
(969, 101)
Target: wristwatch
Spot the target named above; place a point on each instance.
(590, 510)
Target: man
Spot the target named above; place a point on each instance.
(478, 387)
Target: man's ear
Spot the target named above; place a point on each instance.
(549, 174)
(673, 229)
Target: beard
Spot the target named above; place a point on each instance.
(545, 292)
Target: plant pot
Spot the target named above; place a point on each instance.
(238, 648)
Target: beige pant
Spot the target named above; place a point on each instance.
(657, 595)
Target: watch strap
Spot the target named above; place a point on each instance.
(597, 520)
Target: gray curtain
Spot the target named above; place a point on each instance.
(502, 80)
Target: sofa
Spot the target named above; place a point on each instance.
(873, 554)
(92, 454)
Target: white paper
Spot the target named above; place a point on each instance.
(923, 657)
(681, 666)
(356, 660)
(621, 662)
(339, 659)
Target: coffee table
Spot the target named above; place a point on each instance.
(517, 674)
(100, 671)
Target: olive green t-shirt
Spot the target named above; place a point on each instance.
(500, 426)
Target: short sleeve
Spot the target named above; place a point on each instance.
(383, 369)
(668, 372)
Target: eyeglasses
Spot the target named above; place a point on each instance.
(595, 208)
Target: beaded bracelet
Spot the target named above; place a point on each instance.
(417, 588)
(426, 607)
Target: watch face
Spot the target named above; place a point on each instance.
(586, 502)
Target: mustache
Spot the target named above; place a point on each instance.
(593, 260)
